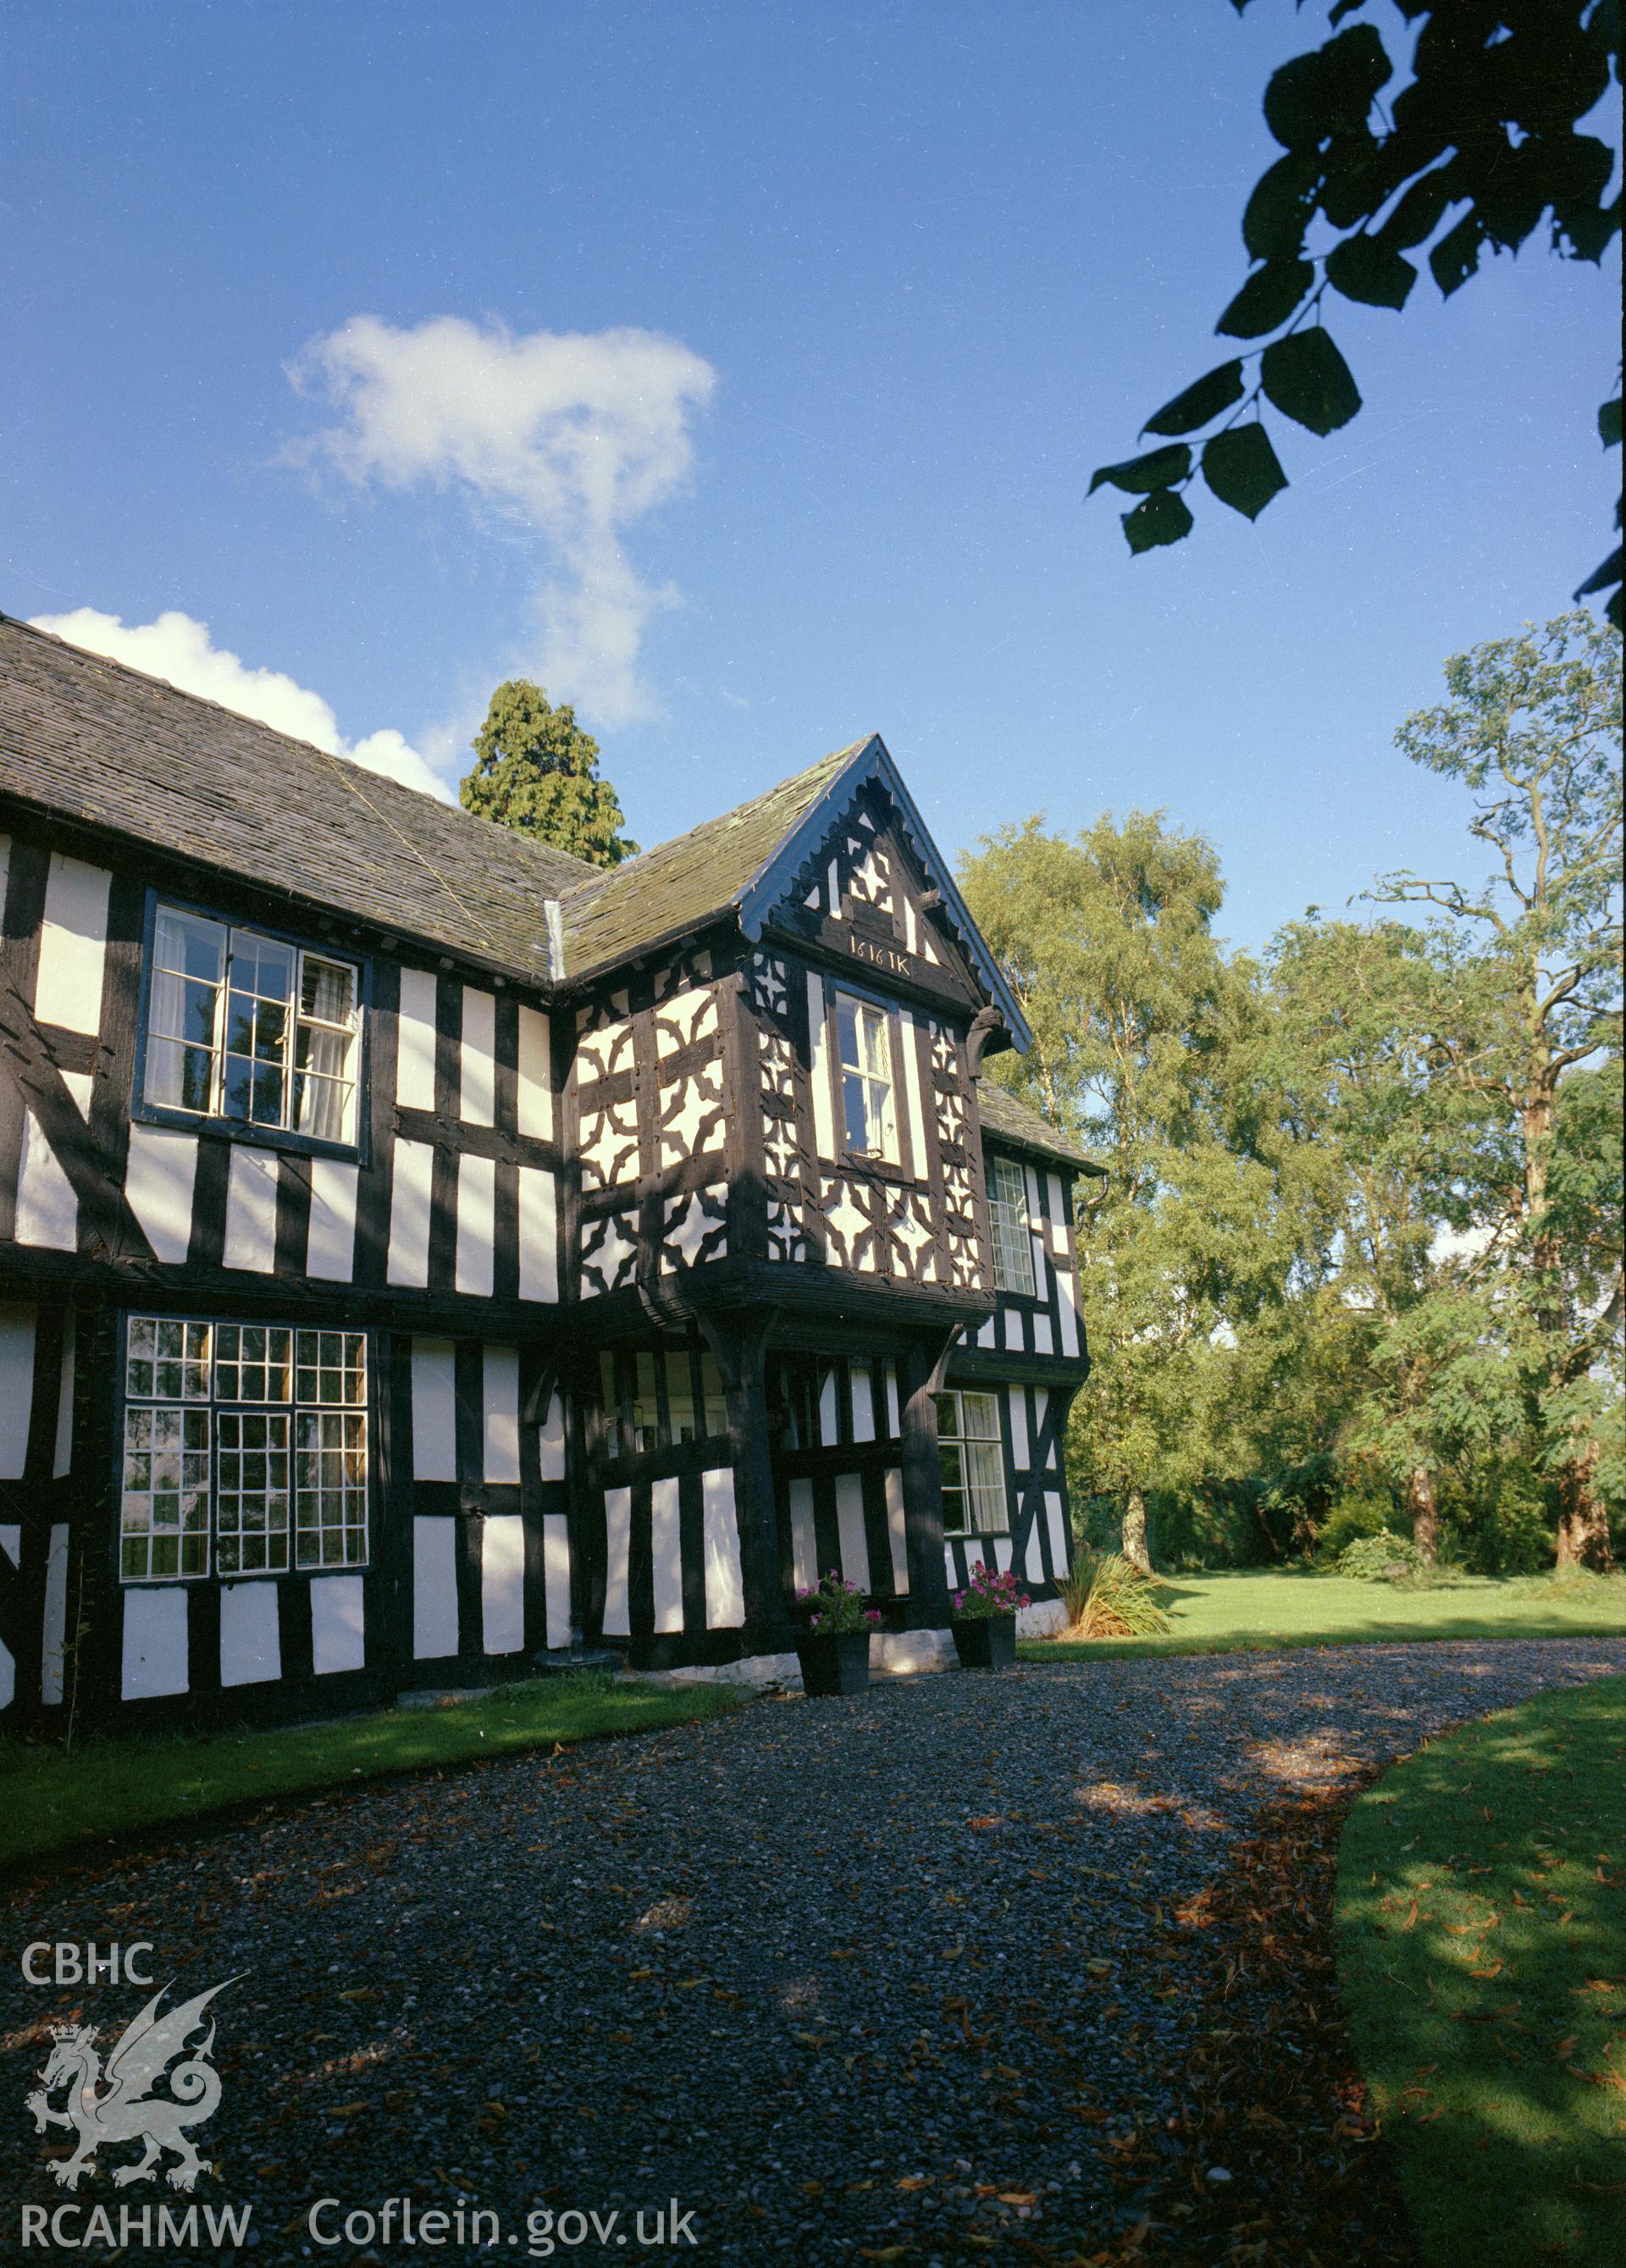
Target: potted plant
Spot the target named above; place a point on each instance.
(834, 1650)
(984, 1620)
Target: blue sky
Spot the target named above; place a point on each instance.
(859, 297)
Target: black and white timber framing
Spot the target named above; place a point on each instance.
(583, 1311)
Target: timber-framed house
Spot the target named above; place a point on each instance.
(424, 1257)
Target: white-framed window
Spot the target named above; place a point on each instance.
(971, 1456)
(253, 1435)
(863, 1049)
(1007, 1212)
(250, 1027)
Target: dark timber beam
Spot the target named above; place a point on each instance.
(738, 1340)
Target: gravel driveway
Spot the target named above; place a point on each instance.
(866, 1979)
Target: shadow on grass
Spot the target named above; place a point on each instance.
(1482, 1948)
(50, 1799)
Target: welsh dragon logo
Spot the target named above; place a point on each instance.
(113, 2102)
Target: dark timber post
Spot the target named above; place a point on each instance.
(740, 1342)
(924, 1361)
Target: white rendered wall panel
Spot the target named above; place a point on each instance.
(409, 1214)
(912, 1036)
(667, 1553)
(550, 1440)
(850, 1527)
(535, 1094)
(330, 1246)
(1059, 1532)
(476, 1091)
(538, 1234)
(862, 1403)
(338, 1625)
(725, 1605)
(434, 1410)
(73, 946)
(556, 1577)
(61, 1452)
(823, 1101)
(434, 1587)
(54, 1637)
(502, 1583)
(250, 1645)
(476, 1225)
(158, 1182)
(47, 1211)
(897, 1531)
(1021, 1455)
(829, 1409)
(155, 1642)
(415, 1040)
(617, 1553)
(16, 1358)
(500, 1414)
(251, 1211)
(804, 1542)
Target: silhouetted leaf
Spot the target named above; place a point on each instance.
(1241, 467)
(1610, 422)
(1281, 207)
(1161, 517)
(1271, 295)
(1309, 381)
(1137, 475)
(1205, 399)
(1362, 269)
(1330, 90)
(1456, 257)
(1421, 209)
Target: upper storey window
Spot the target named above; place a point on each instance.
(1007, 1211)
(246, 1026)
(868, 1104)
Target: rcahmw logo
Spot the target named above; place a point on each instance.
(114, 2100)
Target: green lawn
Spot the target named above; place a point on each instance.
(1299, 1606)
(49, 1799)
(1482, 1943)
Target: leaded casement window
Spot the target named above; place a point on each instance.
(251, 1028)
(1007, 1212)
(656, 1399)
(972, 1459)
(869, 1110)
(245, 1446)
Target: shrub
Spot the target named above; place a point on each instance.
(1353, 1516)
(1382, 1558)
(1106, 1597)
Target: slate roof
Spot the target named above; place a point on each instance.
(106, 744)
(679, 886)
(1007, 1120)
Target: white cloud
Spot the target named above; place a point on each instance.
(180, 650)
(570, 436)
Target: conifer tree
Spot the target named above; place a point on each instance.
(537, 771)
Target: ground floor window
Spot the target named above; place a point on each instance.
(245, 1442)
(971, 1458)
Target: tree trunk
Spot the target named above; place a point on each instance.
(1136, 1549)
(1583, 1518)
(1424, 1512)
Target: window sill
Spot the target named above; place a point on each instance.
(244, 1133)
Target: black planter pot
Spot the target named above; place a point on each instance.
(986, 1642)
(834, 1661)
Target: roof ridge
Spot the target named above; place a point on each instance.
(578, 892)
(257, 724)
